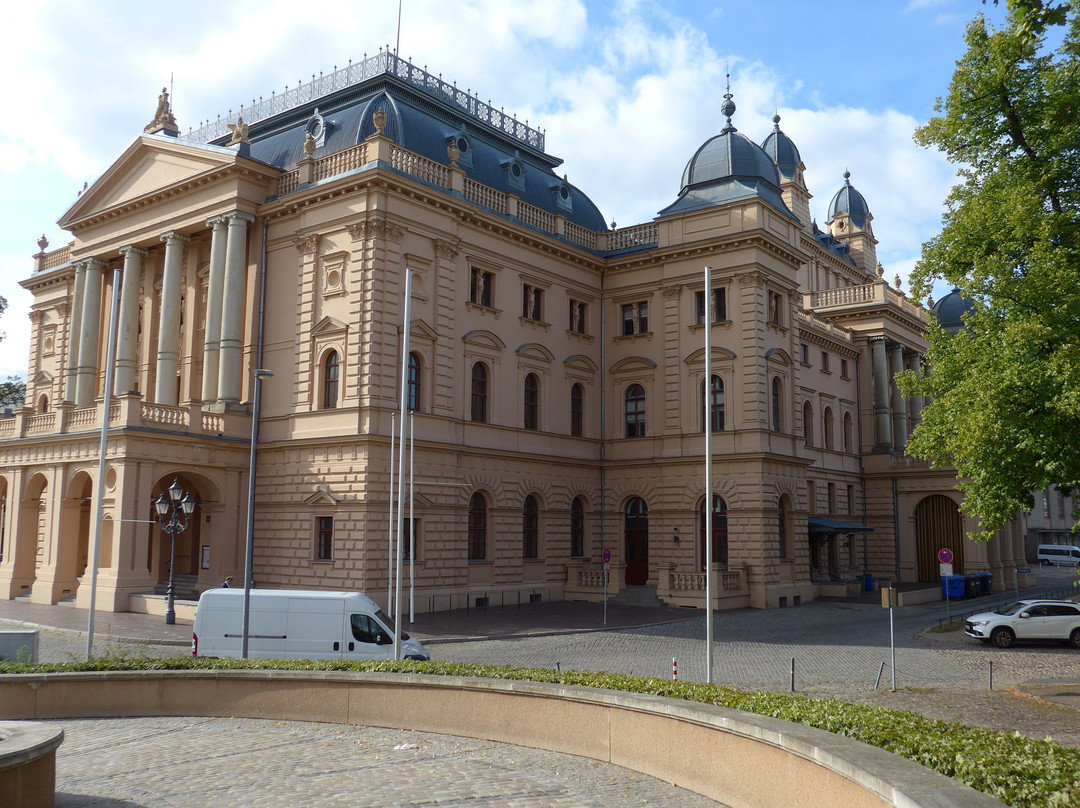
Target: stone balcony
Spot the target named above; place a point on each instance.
(126, 412)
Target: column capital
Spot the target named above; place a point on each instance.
(876, 340)
(133, 250)
(240, 215)
(175, 236)
(216, 221)
(897, 346)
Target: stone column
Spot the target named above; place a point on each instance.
(916, 402)
(214, 292)
(882, 411)
(232, 314)
(899, 405)
(89, 334)
(71, 371)
(168, 356)
(127, 362)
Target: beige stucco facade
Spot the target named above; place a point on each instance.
(557, 381)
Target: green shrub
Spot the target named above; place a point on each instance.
(1019, 771)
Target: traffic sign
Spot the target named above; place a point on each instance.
(606, 557)
(946, 569)
(945, 555)
(1024, 570)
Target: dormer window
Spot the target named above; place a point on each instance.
(564, 199)
(515, 172)
(317, 127)
(461, 141)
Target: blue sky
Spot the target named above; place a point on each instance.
(626, 91)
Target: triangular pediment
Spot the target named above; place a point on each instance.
(322, 497)
(151, 165)
(328, 325)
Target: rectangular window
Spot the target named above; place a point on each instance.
(805, 353)
(643, 317)
(480, 283)
(850, 499)
(811, 496)
(718, 304)
(324, 541)
(775, 301)
(627, 320)
(410, 532)
(843, 368)
(832, 498)
(578, 311)
(825, 361)
(532, 300)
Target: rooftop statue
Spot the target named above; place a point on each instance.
(163, 118)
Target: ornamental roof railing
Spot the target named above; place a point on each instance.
(383, 63)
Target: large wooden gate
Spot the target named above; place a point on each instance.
(938, 524)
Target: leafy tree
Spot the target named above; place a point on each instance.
(1006, 389)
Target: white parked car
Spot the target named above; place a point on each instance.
(1027, 620)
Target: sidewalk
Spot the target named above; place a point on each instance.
(560, 617)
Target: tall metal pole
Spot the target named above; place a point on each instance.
(412, 522)
(406, 328)
(99, 488)
(393, 526)
(249, 544)
(708, 479)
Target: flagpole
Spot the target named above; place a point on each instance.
(390, 550)
(708, 479)
(99, 487)
(406, 328)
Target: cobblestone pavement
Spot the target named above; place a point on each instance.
(118, 763)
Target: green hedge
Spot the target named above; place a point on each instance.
(1021, 772)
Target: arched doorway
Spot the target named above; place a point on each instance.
(30, 544)
(719, 531)
(187, 542)
(937, 525)
(77, 520)
(636, 535)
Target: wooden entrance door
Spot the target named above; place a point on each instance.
(637, 542)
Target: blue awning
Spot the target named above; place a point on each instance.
(816, 525)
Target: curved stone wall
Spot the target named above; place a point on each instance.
(739, 759)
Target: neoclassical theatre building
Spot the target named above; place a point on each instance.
(555, 374)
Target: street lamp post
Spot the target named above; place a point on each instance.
(249, 541)
(169, 509)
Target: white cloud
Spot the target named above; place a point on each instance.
(626, 92)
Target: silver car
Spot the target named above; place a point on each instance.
(1027, 620)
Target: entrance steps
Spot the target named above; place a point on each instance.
(184, 587)
(642, 596)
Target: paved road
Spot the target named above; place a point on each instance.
(219, 763)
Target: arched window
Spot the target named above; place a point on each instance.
(577, 528)
(777, 397)
(412, 394)
(331, 376)
(479, 411)
(719, 532)
(635, 411)
(826, 428)
(847, 432)
(532, 402)
(43, 404)
(808, 423)
(477, 527)
(716, 398)
(530, 528)
(782, 526)
(577, 410)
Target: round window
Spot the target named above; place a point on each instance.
(462, 145)
(515, 169)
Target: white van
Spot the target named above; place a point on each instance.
(1058, 554)
(296, 624)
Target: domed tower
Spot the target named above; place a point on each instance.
(728, 167)
(849, 222)
(790, 166)
(950, 310)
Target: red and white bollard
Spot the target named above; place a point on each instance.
(674, 669)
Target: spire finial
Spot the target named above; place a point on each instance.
(847, 177)
(727, 109)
